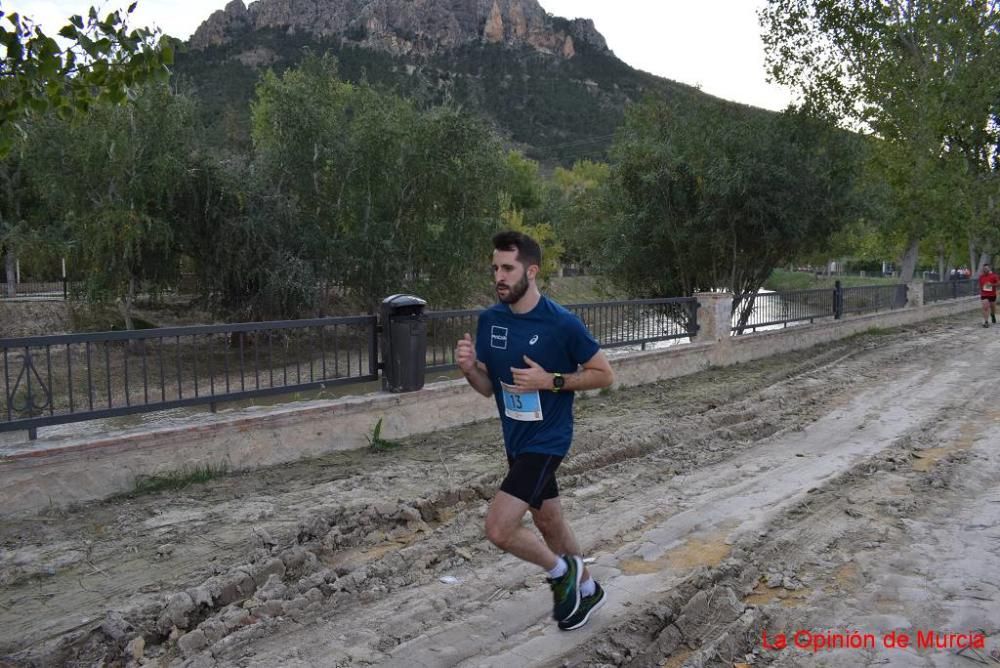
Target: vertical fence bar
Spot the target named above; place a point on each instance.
(180, 381)
(69, 375)
(145, 372)
(194, 362)
(322, 348)
(163, 380)
(226, 345)
(256, 358)
(51, 395)
(128, 391)
(243, 369)
(372, 349)
(90, 378)
(6, 384)
(107, 369)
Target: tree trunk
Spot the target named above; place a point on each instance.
(941, 265)
(10, 262)
(972, 254)
(984, 258)
(125, 305)
(909, 264)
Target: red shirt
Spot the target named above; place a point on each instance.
(988, 285)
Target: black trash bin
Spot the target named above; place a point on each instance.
(403, 343)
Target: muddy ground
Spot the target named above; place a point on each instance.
(850, 487)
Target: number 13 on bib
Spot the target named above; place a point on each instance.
(521, 405)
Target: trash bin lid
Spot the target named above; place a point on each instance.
(404, 300)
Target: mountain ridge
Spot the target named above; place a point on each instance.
(413, 27)
(549, 85)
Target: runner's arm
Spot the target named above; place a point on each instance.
(479, 379)
(594, 374)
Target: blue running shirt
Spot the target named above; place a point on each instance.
(558, 341)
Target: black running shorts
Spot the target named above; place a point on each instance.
(532, 478)
(988, 298)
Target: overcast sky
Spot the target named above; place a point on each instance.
(714, 45)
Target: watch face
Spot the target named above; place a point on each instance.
(558, 381)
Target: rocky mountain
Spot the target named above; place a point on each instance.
(404, 27)
(549, 85)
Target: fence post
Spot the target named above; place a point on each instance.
(838, 301)
(715, 317)
(65, 289)
(915, 293)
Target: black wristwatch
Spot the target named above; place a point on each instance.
(557, 382)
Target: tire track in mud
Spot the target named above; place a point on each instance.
(715, 615)
(331, 546)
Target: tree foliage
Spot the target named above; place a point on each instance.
(919, 76)
(97, 60)
(381, 196)
(717, 198)
(129, 194)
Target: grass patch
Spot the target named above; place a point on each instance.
(178, 479)
(581, 289)
(375, 440)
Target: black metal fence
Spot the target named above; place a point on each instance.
(51, 380)
(59, 289)
(771, 309)
(616, 324)
(871, 298)
(936, 291)
(640, 321)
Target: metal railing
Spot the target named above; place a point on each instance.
(50, 380)
(871, 298)
(935, 291)
(444, 329)
(615, 324)
(638, 322)
(771, 309)
(58, 289)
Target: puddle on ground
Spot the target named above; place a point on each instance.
(847, 576)
(764, 595)
(677, 660)
(926, 459)
(709, 550)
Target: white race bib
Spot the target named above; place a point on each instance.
(521, 405)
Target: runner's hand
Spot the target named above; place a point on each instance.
(532, 378)
(465, 354)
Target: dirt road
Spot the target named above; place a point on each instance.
(851, 488)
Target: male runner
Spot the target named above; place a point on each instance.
(532, 355)
(988, 282)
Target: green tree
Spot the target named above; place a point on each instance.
(717, 198)
(577, 206)
(919, 76)
(390, 198)
(97, 60)
(130, 186)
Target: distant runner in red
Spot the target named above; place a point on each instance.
(988, 282)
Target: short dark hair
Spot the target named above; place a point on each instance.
(528, 250)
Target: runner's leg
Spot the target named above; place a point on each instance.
(504, 529)
(556, 531)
